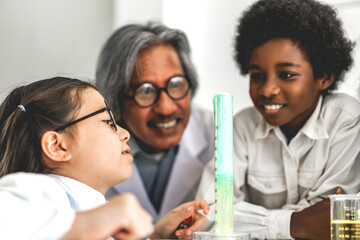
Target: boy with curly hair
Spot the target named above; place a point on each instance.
(300, 142)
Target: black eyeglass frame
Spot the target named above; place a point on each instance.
(158, 91)
(113, 124)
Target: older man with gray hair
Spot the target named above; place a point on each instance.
(148, 79)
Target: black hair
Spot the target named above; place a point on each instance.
(313, 25)
(27, 113)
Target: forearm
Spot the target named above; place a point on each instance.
(78, 228)
(122, 217)
(92, 224)
(312, 222)
(297, 228)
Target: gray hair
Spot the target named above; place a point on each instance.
(119, 57)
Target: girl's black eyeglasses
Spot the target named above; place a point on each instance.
(113, 123)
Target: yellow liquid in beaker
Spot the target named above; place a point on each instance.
(345, 230)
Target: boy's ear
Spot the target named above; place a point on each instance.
(54, 146)
(327, 80)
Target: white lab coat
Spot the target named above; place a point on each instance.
(42, 206)
(196, 148)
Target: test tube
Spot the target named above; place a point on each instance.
(223, 116)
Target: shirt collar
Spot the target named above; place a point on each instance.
(314, 127)
(85, 196)
(262, 130)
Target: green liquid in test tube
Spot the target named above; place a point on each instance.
(224, 214)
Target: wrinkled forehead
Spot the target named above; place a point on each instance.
(156, 64)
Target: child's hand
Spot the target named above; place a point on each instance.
(134, 222)
(167, 226)
(123, 217)
(312, 222)
(339, 190)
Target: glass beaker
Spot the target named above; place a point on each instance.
(345, 217)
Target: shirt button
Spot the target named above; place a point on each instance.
(287, 155)
(268, 185)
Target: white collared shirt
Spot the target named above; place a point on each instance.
(273, 178)
(42, 206)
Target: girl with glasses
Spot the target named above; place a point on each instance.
(61, 150)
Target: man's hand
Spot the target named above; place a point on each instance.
(167, 226)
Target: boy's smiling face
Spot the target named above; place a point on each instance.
(282, 84)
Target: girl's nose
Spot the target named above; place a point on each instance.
(124, 135)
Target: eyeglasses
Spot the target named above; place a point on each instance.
(146, 94)
(113, 123)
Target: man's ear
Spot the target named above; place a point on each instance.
(326, 81)
(54, 146)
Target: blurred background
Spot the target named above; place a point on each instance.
(45, 38)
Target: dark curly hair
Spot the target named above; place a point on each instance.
(313, 25)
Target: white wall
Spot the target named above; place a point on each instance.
(44, 38)
(349, 12)
(137, 11)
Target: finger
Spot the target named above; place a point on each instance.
(123, 235)
(339, 190)
(200, 205)
(180, 233)
(199, 222)
(183, 234)
(186, 219)
(186, 214)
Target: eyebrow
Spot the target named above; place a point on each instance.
(254, 66)
(285, 64)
